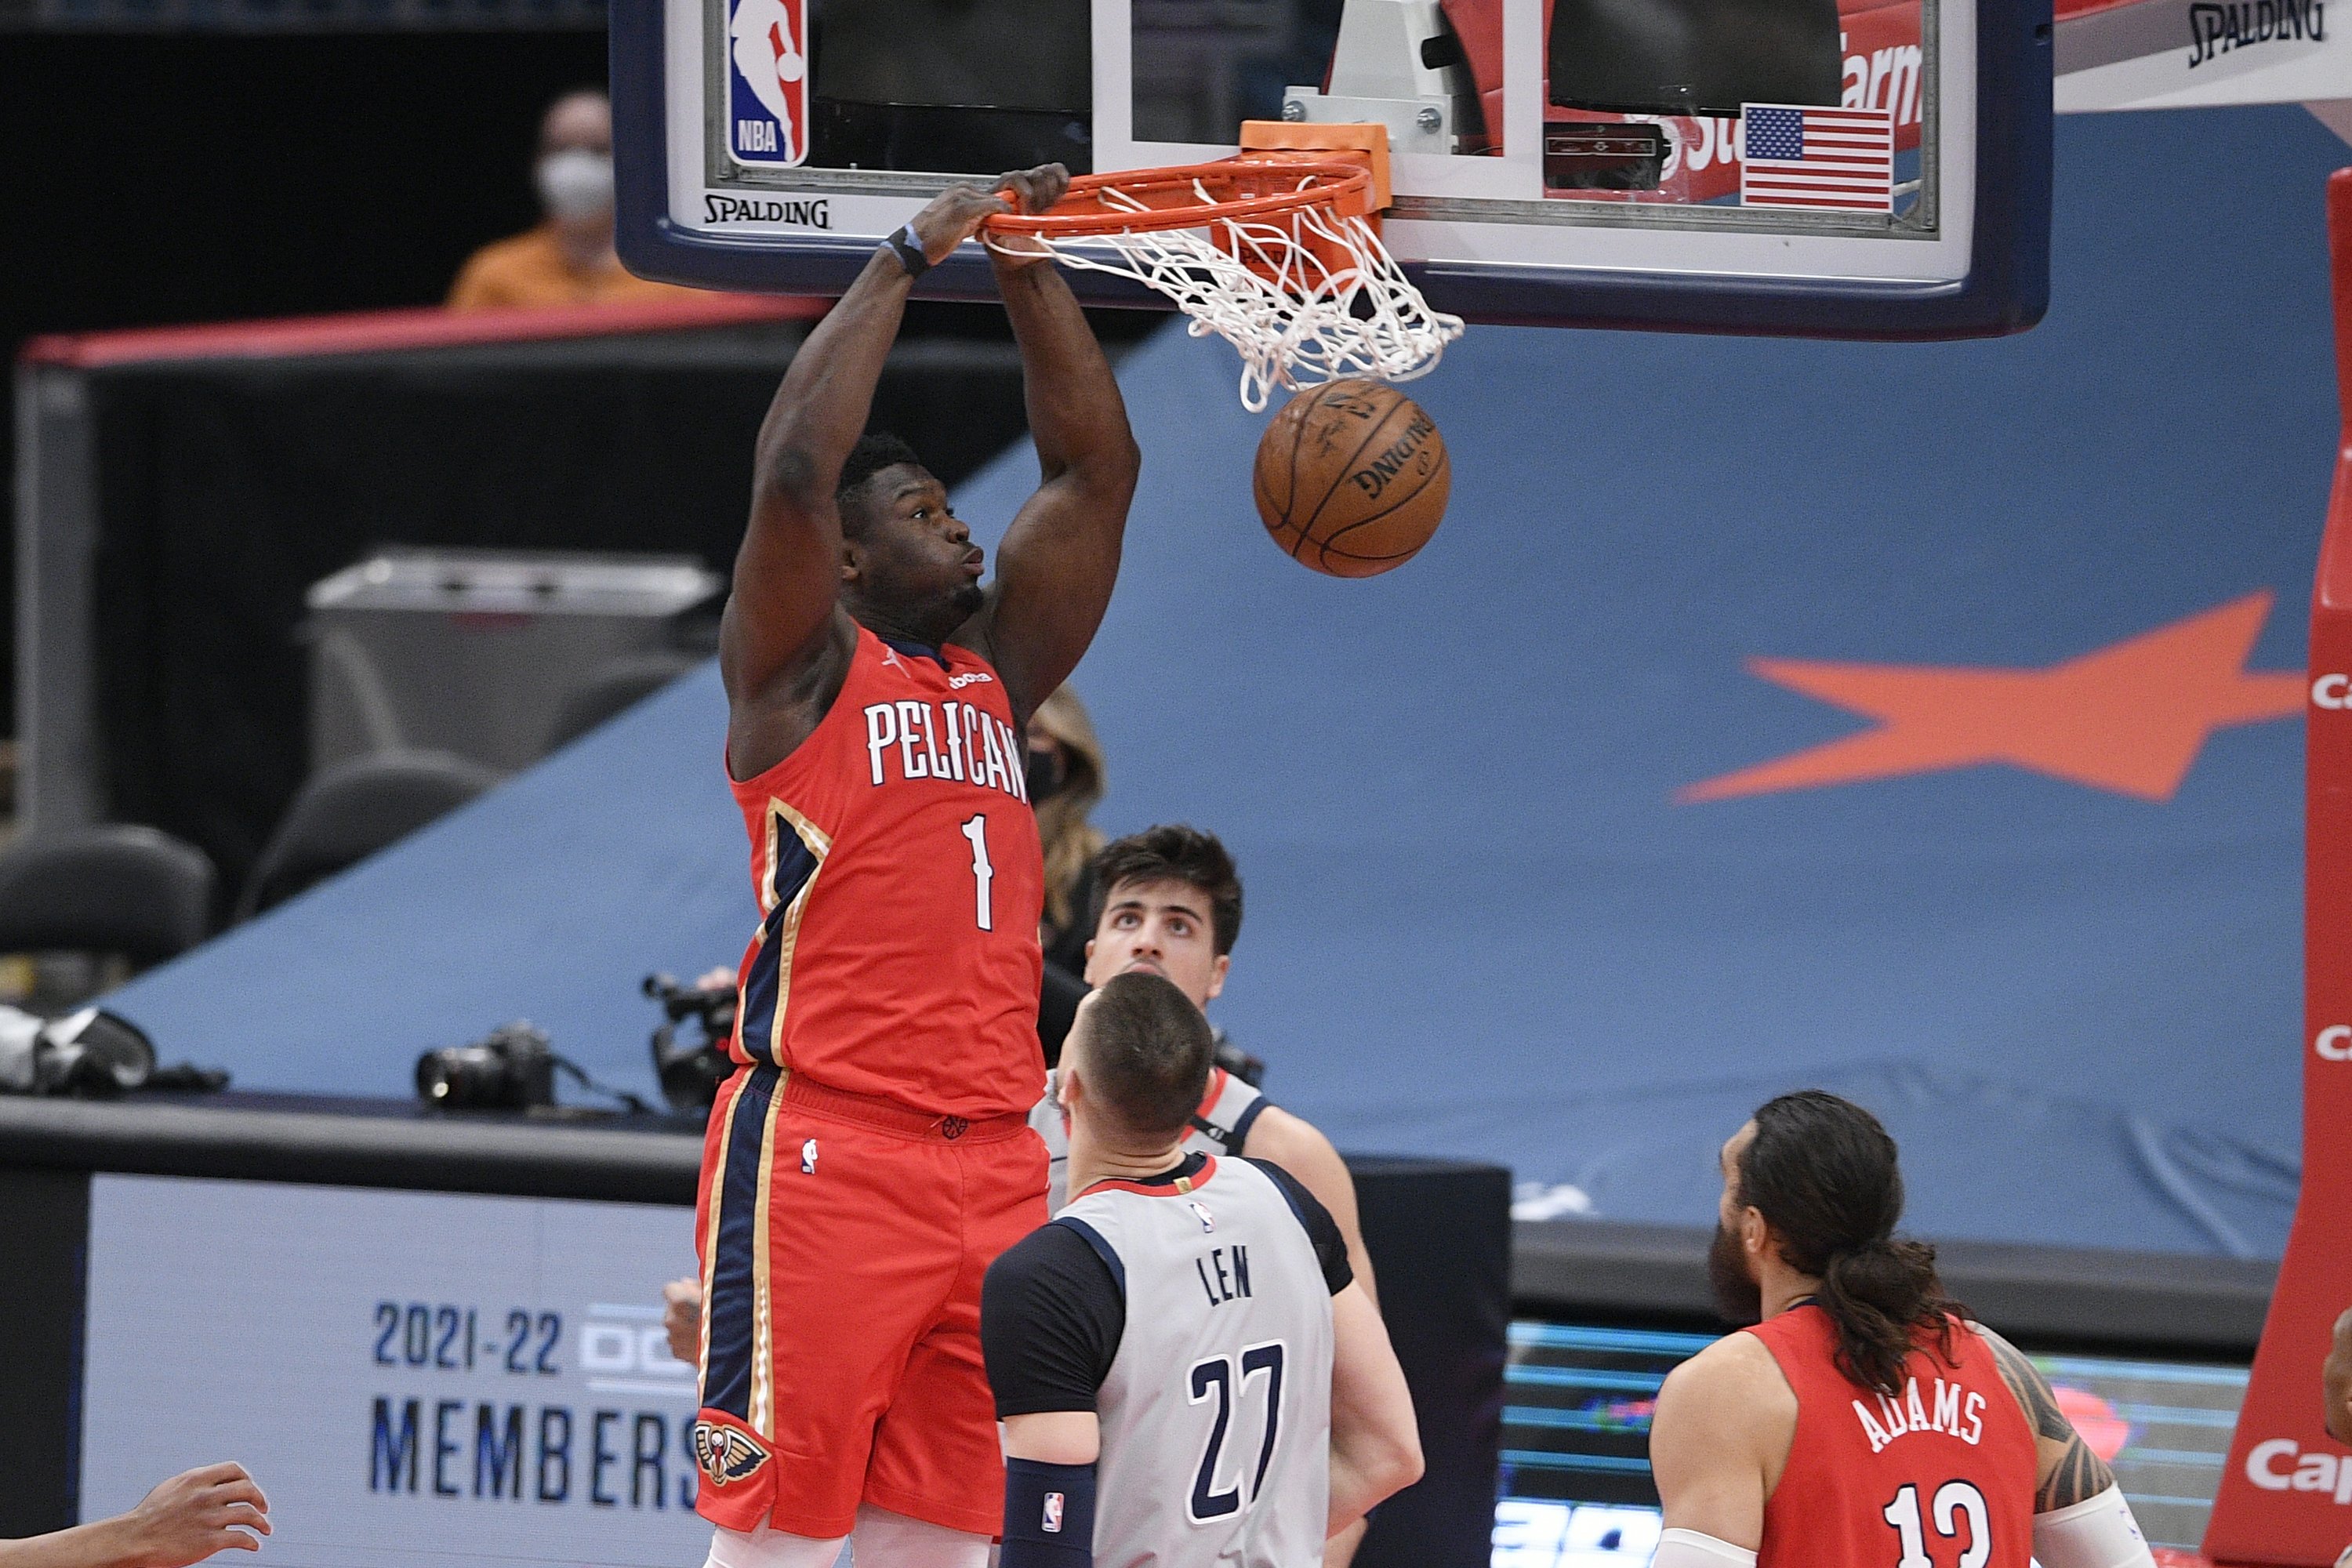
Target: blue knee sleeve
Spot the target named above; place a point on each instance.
(1049, 1515)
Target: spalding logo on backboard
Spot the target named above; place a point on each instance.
(768, 81)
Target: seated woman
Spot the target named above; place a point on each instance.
(1066, 782)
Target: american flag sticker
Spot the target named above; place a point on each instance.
(1808, 156)
(1052, 1520)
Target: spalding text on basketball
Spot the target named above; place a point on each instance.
(1374, 477)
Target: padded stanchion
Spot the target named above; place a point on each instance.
(2287, 1494)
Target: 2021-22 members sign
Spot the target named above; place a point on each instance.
(413, 1377)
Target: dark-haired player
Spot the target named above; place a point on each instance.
(1861, 1423)
(1188, 1375)
(1171, 905)
(872, 1154)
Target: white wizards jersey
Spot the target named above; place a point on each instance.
(1221, 1126)
(1216, 1414)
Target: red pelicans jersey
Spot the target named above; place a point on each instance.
(899, 881)
(1941, 1478)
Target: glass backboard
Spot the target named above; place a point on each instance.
(1837, 167)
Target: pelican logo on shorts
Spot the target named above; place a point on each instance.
(1208, 1221)
(1052, 1520)
(767, 82)
(725, 1453)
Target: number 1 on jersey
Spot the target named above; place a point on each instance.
(982, 873)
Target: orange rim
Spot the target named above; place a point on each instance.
(1326, 184)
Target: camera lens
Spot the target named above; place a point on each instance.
(468, 1078)
(512, 1069)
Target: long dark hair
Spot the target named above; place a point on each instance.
(1823, 1173)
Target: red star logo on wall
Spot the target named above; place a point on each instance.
(2129, 717)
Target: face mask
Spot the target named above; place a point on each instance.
(1045, 772)
(575, 184)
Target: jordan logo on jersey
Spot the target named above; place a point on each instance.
(725, 1453)
(955, 740)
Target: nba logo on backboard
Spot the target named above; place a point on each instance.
(768, 81)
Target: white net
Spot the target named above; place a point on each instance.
(1265, 284)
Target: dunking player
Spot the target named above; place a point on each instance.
(871, 1157)
(1188, 1375)
(1861, 1423)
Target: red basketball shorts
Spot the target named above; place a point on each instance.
(842, 1242)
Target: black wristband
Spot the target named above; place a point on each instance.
(1049, 1515)
(909, 252)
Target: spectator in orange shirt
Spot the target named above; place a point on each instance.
(568, 259)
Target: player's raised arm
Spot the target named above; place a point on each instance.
(2080, 1517)
(781, 618)
(1375, 1441)
(1060, 558)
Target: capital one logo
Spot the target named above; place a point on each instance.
(2334, 1043)
(2332, 691)
(768, 79)
(2280, 1465)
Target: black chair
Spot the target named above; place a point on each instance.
(613, 688)
(348, 813)
(120, 890)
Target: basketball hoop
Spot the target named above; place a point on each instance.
(1278, 251)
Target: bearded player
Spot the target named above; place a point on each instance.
(871, 1156)
(1861, 1423)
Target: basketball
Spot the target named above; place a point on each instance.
(1352, 478)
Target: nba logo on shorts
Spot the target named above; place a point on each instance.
(768, 81)
(1052, 1520)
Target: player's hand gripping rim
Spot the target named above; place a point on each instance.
(957, 214)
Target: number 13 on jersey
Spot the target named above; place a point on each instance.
(1955, 1500)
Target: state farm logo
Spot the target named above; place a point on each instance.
(2280, 1465)
(2332, 691)
(2334, 1043)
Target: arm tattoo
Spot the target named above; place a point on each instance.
(2079, 1473)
